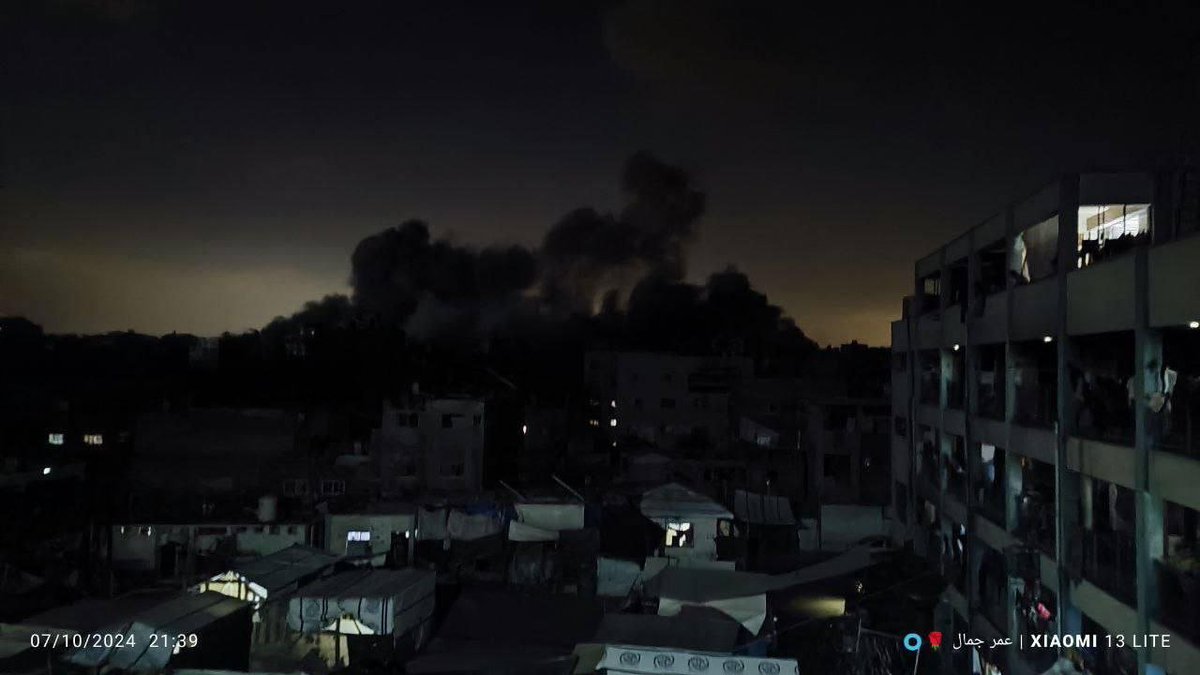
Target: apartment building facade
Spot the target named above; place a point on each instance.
(1045, 451)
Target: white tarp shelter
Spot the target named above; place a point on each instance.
(387, 602)
(440, 524)
(182, 615)
(626, 660)
(760, 509)
(544, 522)
(259, 579)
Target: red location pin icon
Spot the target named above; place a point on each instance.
(935, 640)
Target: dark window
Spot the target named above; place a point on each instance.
(668, 376)
(413, 420)
(447, 421)
(837, 467)
(900, 425)
(477, 420)
(901, 504)
(637, 404)
(667, 403)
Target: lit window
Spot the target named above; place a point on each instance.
(612, 422)
(55, 439)
(679, 535)
(358, 535)
(93, 439)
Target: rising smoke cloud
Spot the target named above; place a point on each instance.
(434, 287)
(624, 272)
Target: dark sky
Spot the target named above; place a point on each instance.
(204, 167)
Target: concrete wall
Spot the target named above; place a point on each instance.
(1108, 462)
(1174, 277)
(1173, 477)
(1034, 311)
(1100, 298)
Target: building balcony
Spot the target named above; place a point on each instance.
(991, 504)
(1179, 425)
(956, 484)
(1035, 525)
(1109, 562)
(1036, 404)
(1179, 597)
(990, 402)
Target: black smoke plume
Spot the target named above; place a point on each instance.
(616, 278)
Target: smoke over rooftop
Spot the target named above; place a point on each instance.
(623, 271)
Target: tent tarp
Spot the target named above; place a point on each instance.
(518, 531)
(616, 577)
(760, 509)
(183, 615)
(279, 570)
(465, 527)
(629, 660)
(431, 524)
(555, 517)
(676, 501)
(701, 586)
(390, 602)
(750, 611)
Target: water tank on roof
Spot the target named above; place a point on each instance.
(266, 508)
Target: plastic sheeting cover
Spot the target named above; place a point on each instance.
(750, 611)
(623, 660)
(465, 527)
(674, 500)
(760, 509)
(556, 517)
(388, 601)
(431, 524)
(615, 577)
(518, 531)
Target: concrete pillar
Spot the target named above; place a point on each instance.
(1149, 512)
(1012, 469)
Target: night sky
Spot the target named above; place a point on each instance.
(203, 167)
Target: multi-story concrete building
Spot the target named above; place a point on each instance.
(1045, 451)
(669, 401)
(429, 443)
